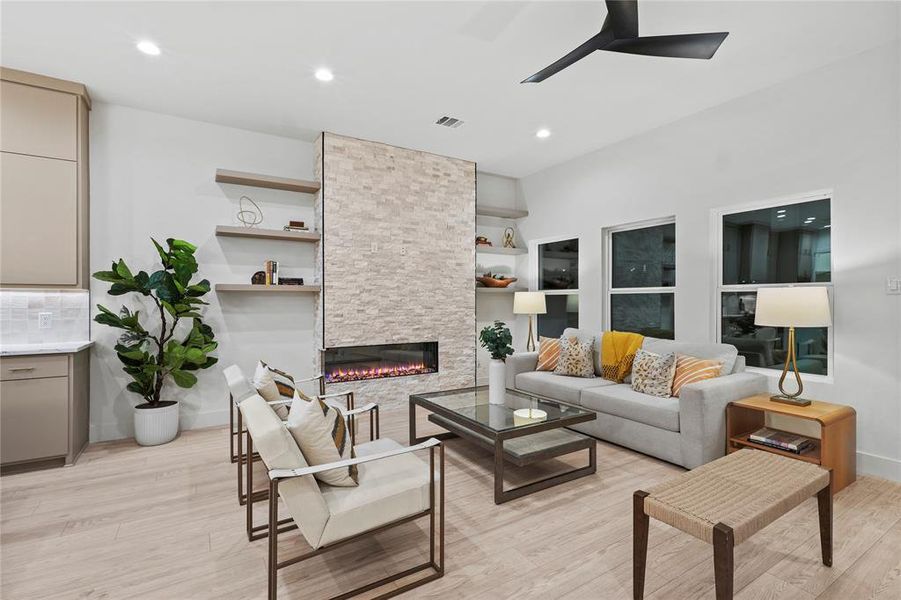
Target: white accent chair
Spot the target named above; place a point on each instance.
(395, 487)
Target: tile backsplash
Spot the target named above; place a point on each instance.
(22, 313)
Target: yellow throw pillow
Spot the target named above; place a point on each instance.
(691, 370)
(548, 354)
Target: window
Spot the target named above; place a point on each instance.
(641, 278)
(775, 245)
(558, 278)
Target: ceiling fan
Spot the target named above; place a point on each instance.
(620, 34)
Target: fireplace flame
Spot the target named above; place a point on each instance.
(338, 375)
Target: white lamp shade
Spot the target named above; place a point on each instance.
(793, 307)
(529, 303)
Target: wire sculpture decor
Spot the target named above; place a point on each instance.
(249, 217)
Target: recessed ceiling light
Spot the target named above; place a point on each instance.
(780, 216)
(543, 133)
(324, 74)
(781, 210)
(811, 219)
(827, 226)
(148, 47)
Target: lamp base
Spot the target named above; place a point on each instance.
(789, 400)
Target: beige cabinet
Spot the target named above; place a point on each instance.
(38, 220)
(44, 174)
(43, 409)
(38, 121)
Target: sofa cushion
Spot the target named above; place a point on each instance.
(586, 335)
(576, 358)
(722, 352)
(557, 387)
(622, 401)
(390, 489)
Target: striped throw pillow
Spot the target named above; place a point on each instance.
(273, 384)
(691, 370)
(322, 435)
(548, 354)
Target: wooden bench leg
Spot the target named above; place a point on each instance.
(824, 507)
(639, 544)
(723, 566)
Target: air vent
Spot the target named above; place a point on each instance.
(451, 122)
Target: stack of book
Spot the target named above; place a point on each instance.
(296, 226)
(270, 268)
(781, 440)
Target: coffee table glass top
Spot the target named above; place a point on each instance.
(472, 404)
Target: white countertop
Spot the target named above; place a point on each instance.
(48, 348)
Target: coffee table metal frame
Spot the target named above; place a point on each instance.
(465, 427)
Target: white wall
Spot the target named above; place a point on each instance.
(835, 128)
(153, 175)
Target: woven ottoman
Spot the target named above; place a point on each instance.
(727, 501)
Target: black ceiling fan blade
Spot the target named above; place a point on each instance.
(689, 45)
(622, 17)
(576, 55)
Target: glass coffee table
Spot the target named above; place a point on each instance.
(524, 430)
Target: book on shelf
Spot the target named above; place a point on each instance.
(270, 267)
(293, 228)
(781, 440)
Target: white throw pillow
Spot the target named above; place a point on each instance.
(321, 432)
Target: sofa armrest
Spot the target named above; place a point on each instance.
(702, 413)
(519, 363)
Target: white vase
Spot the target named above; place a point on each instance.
(155, 426)
(497, 381)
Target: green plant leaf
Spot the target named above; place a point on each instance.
(123, 270)
(110, 276)
(164, 256)
(184, 379)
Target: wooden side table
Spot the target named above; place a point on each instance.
(835, 449)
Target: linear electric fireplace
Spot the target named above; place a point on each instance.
(356, 363)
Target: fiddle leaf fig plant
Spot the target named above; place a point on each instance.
(496, 338)
(152, 355)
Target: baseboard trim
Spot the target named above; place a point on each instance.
(119, 430)
(879, 466)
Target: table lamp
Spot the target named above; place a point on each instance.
(529, 303)
(792, 307)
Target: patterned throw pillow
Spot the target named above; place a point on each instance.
(653, 374)
(273, 384)
(576, 358)
(691, 370)
(548, 354)
(321, 432)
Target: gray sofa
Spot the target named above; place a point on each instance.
(688, 430)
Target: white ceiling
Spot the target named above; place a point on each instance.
(400, 66)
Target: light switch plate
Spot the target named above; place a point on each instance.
(893, 285)
(45, 320)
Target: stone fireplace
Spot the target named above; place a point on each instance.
(398, 257)
(378, 361)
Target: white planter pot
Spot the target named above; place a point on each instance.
(497, 381)
(155, 426)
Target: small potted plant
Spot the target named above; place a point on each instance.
(496, 339)
(179, 343)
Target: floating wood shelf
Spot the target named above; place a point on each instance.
(507, 290)
(500, 212)
(267, 289)
(500, 250)
(267, 181)
(267, 234)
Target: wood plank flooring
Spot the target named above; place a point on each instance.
(164, 523)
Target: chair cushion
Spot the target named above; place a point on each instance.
(724, 352)
(622, 401)
(238, 386)
(557, 387)
(389, 489)
(278, 451)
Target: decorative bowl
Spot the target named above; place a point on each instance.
(495, 283)
(526, 416)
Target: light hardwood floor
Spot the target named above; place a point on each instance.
(164, 523)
